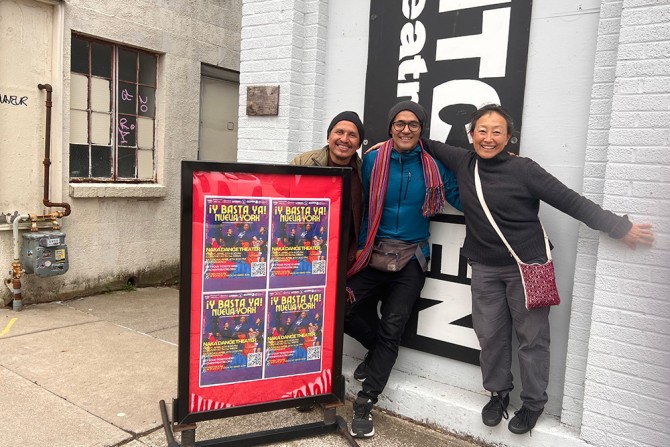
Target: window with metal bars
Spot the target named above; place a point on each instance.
(112, 112)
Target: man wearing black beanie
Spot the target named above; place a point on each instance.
(344, 136)
(404, 187)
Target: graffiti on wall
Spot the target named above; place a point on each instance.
(451, 56)
(14, 100)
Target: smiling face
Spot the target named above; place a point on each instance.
(405, 139)
(489, 135)
(343, 142)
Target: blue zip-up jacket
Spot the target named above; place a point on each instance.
(402, 218)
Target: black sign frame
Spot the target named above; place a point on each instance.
(292, 175)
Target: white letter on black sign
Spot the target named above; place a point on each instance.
(412, 11)
(414, 66)
(490, 46)
(462, 91)
(409, 45)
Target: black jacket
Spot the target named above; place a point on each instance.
(513, 187)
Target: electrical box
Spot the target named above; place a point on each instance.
(45, 253)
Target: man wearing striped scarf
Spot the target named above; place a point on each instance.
(404, 187)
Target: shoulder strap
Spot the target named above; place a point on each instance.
(480, 195)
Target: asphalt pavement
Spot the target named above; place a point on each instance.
(91, 372)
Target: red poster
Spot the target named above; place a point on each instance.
(263, 268)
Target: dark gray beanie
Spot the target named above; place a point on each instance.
(351, 117)
(413, 107)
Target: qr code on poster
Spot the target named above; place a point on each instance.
(318, 267)
(258, 269)
(254, 359)
(314, 353)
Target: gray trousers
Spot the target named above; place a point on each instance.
(498, 307)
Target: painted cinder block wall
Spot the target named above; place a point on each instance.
(627, 365)
(593, 187)
(283, 43)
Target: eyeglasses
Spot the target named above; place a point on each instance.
(399, 126)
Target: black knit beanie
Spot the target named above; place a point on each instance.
(413, 107)
(351, 117)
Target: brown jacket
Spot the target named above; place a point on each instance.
(319, 157)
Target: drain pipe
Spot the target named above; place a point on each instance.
(47, 153)
(14, 284)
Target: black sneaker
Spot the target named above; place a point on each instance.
(524, 420)
(361, 371)
(495, 410)
(305, 408)
(361, 425)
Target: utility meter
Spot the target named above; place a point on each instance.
(45, 253)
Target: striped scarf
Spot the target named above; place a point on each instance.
(379, 178)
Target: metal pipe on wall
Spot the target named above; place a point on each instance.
(14, 284)
(47, 154)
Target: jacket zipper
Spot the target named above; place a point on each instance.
(397, 214)
(409, 177)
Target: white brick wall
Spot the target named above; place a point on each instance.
(625, 367)
(283, 43)
(594, 171)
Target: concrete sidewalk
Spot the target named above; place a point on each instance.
(90, 372)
